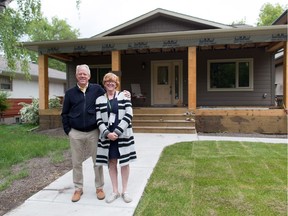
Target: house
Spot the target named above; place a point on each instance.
(22, 90)
(196, 74)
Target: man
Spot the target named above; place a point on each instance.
(79, 123)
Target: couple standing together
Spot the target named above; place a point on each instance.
(99, 120)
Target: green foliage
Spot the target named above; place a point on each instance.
(15, 25)
(269, 13)
(239, 22)
(42, 30)
(4, 104)
(30, 112)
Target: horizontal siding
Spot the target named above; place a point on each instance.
(15, 107)
(262, 79)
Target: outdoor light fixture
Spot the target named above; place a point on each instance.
(143, 65)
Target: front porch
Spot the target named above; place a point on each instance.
(264, 120)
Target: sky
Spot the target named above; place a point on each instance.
(96, 16)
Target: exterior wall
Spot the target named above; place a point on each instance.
(24, 91)
(161, 24)
(30, 89)
(268, 121)
(262, 78)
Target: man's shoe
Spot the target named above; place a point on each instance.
(77, 195)
(100, 193)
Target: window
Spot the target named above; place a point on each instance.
(5, 83)
(98, 72)
(230, 75)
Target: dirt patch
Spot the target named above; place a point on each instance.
(41, 172)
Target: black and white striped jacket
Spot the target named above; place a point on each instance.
(124, 130)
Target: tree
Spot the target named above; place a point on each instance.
(13, 26)
(269, 13)
(239, 22)
(41, 30)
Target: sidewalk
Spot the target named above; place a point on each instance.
(55, 199)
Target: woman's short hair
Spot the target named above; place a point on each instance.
(110, 76)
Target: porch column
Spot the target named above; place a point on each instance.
(116, 64)
(43, 81)
(285, 76)
(192, 78)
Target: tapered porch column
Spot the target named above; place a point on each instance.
(192, 78)
(43, 81)
(116, 64)
(285, 75)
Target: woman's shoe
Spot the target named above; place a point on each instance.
(126, 197)
(112, 197)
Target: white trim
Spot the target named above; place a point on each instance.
(236, 88)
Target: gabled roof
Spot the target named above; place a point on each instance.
(52, 73)
(282, 19)
(159, 12)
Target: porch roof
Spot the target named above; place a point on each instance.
(263, 36)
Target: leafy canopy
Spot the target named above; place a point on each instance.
(269, 13)
(14, 26)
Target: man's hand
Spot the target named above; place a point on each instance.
(127, 94)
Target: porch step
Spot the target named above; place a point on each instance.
(163, 120)
(147, 129)
(164, 123)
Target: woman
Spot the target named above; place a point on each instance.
(116, 141)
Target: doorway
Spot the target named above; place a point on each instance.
(166, 82)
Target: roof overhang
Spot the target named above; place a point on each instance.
(199, 38)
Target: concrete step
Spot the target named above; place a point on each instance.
(164, 123)
(162, 117)
(146, 129)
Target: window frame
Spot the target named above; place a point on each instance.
(236, 61)
(10, 83)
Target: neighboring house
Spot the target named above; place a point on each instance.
(222, 76)
(22, 90)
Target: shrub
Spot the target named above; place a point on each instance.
(30, 112)
(4, 104)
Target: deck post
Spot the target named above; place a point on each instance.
(43, 82)
(116, 64)
(192, 78)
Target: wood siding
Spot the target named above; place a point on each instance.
(15, 107)
(161, 24)
(262, 78)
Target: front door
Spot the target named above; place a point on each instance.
(166, 82)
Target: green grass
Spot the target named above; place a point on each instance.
(18, 145)
(191, 178)
(218, 178)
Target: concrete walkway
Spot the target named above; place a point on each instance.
(55, 199)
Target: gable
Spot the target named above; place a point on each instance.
(159, 21)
